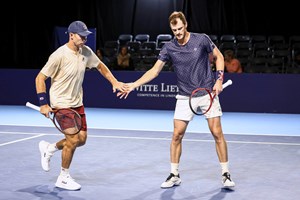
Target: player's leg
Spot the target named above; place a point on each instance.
(175, 153)
(213, 117)
(182, 116)
(222, 151)
(176, 144)
(214, 123)
(220, 142)
(47, 150)
(65, 180)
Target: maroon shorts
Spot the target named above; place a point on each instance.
(81, 112)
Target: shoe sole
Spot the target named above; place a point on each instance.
(229, 187)
(175, 184)
(62, 187)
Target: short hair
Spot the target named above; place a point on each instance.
(229, 52)
(174, 15)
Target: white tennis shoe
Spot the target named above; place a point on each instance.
(227, 181)
(67, 183)
(45, 155)
(172, 180)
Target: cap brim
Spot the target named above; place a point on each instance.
(85, 33)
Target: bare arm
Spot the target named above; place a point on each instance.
(147, 77)
(40, 84)
(106, 73)
(219, 66)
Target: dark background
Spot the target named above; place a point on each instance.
(27, 37)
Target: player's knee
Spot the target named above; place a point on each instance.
(219, 138)
(177, 138)
(72, 144)
(81, 143)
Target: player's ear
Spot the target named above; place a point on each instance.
(71, 36)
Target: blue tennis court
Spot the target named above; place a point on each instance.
(126, 157)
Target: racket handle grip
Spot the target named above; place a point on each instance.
(229, 82)
(30, 105)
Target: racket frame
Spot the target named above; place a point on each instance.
(52, 116)
(226, 84)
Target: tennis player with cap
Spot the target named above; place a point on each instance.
(66, 67)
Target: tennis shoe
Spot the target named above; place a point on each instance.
(67, 183)
(227, 181)
(172, 180)
(45, 155)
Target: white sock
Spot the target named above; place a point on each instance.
(52, 148)
(224, 167)
(174, 168)
(64, 172)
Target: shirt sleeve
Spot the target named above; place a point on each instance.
(163, 54)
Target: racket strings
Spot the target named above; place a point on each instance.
(200, 101)
(67, 121)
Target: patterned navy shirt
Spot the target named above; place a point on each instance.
(190, 62)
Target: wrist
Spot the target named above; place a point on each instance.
(134, 85)
(220, 75)
(42, 97)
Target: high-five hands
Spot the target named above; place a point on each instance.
(127, 88)
(119, 86)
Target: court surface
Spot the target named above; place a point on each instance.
(126, 157)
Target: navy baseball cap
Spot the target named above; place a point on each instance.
(79, 27)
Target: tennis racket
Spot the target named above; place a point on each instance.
(66, 120)
(194, 99)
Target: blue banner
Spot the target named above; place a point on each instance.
(256, 93)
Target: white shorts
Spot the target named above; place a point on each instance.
(183, 111)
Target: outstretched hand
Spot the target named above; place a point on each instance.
(128, 87)
(119, 86)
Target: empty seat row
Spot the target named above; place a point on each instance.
(270, 39)
(141, 42)
(123, 39)
(247, 48)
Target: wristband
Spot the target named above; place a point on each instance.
(220, 75)
(42, 98)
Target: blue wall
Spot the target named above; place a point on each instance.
(259, 93)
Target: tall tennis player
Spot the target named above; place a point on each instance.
(189, 55)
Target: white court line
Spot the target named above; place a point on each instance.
(150, 138)
(20, 140)
(22, 133)
(195, 140)
(161, 130)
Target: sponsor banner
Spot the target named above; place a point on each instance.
(261, 93)
(157, 94)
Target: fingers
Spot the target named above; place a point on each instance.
(119, 87)
(217, 89)
(216, 92)
(46, 110)
(122, 95)
(123, 89)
